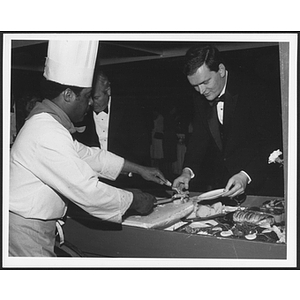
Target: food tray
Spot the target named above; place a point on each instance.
(162, 216)
(224, 226)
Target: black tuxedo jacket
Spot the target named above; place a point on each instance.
(248, 136)
(128, 135)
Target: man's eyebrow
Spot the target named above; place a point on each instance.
(201, 82)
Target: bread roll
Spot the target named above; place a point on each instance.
(253, 217)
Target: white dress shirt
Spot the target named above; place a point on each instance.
(220, 105)
(102, 123)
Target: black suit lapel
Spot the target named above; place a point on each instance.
(115, 117)
(91, 130)
(231, 96)
(229, 108)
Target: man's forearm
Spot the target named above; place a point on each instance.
(130, 167)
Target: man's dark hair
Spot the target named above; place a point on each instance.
(198, 55)
(51, 89)
(100, 75)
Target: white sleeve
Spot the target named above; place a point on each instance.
(105, 163)
(191, 171)
(249, 178)
(66, 167)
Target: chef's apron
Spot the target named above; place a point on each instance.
(31, 237)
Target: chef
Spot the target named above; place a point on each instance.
(48, 168)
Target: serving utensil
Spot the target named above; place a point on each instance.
(197, 219)
(163, 201)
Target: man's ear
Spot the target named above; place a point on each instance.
(222, 70)
(68, 95)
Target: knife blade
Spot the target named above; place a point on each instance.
(163, 201)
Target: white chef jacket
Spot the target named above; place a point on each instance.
(47, 163)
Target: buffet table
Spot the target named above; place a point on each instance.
(90, 237)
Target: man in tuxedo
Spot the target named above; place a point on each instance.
(231, 124)
(116, 124)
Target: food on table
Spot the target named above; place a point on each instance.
(214, 194)
(181, 197)
(251, 236)
(253, 217)
(274, 207)
(226, 233)
(256, 223)
(204, 211)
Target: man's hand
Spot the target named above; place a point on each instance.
(142, 203)
(236, 185)
(152, 174)
(182, 182)
(148, 173)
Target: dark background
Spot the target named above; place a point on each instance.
(155, 83)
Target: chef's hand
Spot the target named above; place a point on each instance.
(142, 203)
(148, 173)
(182, 182)
(152, 174)
(236, 185)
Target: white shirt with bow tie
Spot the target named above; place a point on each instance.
(102, 125)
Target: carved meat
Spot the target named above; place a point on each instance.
(252, 217)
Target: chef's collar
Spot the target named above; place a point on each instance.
(47, 106)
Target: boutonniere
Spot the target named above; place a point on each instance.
(274, 157)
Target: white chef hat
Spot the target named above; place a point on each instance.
(71, 62)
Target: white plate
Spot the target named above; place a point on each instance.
(211, 195)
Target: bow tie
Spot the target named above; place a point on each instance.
(105, 111)
(217, 100)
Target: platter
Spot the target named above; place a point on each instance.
(162, 215)
(248, 223)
